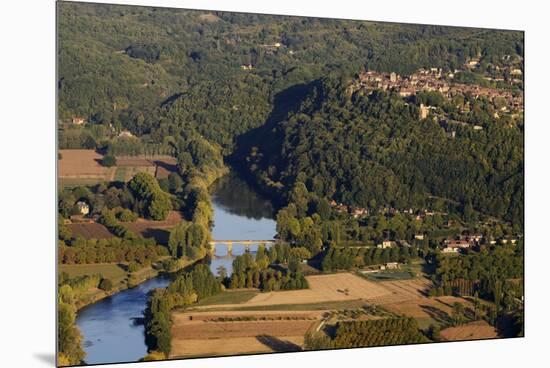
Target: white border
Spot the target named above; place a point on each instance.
(27, 207)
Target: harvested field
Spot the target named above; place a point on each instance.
(409, 298)
(322, 288)
(155, 229)
(402, 290)
(213, 330)
(199, 316)
(83, 164)
(159, 166)
(235, 346)
(471, 331)
(194, 335)
(90, 230)
(321, 306)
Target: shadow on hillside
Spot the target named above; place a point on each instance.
(161, 236)
(266, 137)
(277, 344)
(437, 314)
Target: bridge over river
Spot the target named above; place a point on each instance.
(247, 243)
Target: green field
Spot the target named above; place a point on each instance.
(120, 174)
(389, 275)
(229, 297)
(346, 304)
(111, 271)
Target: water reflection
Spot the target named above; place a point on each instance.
(233, 195)
(239, 214)
(223, 258)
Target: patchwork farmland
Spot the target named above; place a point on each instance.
(83, 167)
(265, 321)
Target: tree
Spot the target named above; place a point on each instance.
(69, 337)
(108, 161)
(458, 313)
(106, 284)
(222, 272)
(154, 202)
(434, 332)
(293, 264)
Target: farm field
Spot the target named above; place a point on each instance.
(409, 298)
(144, 227)
(155, 229)
(402, 297)
(235, 346)
(470, 331)
(322, 288)
(83, 167)
(194, 334)
(76, 165)
(229, 297)
(111, 271)
(158, 166)
(89, 230)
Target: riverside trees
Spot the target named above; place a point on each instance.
(256, 272)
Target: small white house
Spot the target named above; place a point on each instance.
(83, 207)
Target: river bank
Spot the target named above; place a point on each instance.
(112, 326)
(130, 280)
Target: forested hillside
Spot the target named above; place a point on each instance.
(373, 150)
(272, 90)
(122, 65)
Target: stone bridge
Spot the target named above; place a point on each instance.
(245, 242)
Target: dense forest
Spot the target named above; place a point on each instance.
(372, 151)
(129, 66)
(175, 80)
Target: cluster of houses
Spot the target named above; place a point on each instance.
(356, 212)
(432, 80)
(383, 267)
(457, 245)
(468, 241)
(511, 68)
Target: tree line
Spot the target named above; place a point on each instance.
(69, 338)
(82, 251)
(381, 332)
(342, 258)
(186, 289)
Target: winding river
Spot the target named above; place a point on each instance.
(112, 328)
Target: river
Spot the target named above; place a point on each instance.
(111, 328)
